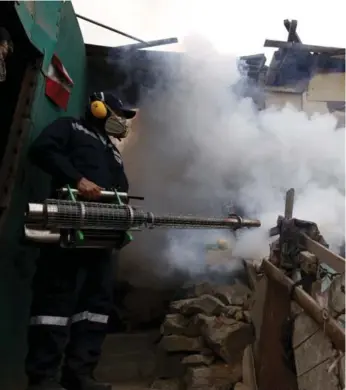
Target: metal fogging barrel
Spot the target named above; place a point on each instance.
(64, 214)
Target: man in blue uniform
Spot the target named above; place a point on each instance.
(72, 287)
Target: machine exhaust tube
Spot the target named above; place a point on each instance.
(62, 214)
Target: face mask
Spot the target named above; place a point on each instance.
(117, 127)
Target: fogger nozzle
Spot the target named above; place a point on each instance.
(63, 214)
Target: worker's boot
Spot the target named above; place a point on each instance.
(48, 384)
(83, 383)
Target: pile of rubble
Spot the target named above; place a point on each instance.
(204, 337)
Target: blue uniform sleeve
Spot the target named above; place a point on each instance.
(49, 152)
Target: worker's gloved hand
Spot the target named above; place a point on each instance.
(88, 189)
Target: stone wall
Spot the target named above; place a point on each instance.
(204, 337)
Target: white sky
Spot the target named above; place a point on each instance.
(240, 28)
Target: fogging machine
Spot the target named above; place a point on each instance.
(71, 222)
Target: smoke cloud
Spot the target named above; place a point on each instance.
(200, 147)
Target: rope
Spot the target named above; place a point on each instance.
(324, 273)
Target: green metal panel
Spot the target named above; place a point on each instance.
(41, 21)
(58, 32)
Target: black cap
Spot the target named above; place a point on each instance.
(4, 35)
(117, 105)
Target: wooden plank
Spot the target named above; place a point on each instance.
(272, 369)
(319, 379)
(289, 203)
(342, 372)
(311, 307)
(327, 87)
(291, 27)
(304, 328)
(293, 36)
(257, 311)
(290, 90)
(325, 255)
(249, 373)
(297, 89)
(303, 47)
(314, 351)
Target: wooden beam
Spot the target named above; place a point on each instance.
(303, 47)
(249, 371)
(272, 369)
(289, 203)
(291, 27)
(310, 306)
(324, 254)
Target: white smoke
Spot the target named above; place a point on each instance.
(201, 147)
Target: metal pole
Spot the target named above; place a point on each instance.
(110, 28)
(137, 46)
(310, 306)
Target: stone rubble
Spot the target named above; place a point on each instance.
(198, 360)
(207, 333)
(176, 343)
(218, 376)
(240, 386)
(166, 384)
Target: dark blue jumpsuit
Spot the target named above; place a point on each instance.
(72, 287)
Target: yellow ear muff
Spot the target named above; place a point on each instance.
(98, 109)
